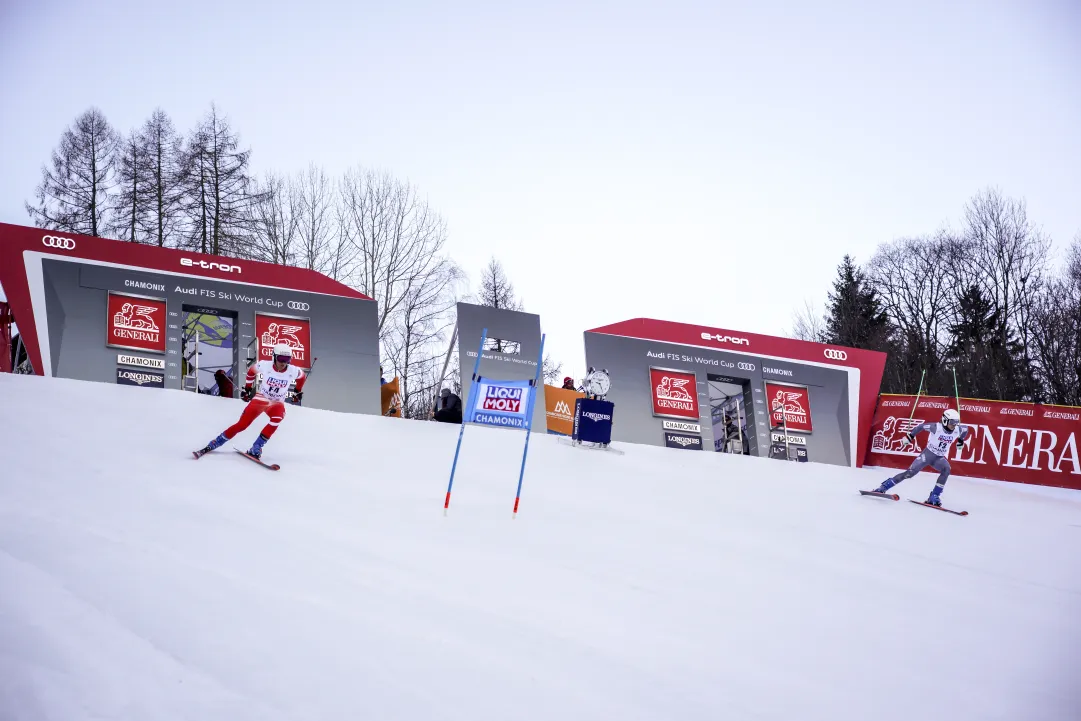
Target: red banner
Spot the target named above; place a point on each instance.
(1018, 442)
(674, 393)
(294, 332)
(135, 322)
(794, 402)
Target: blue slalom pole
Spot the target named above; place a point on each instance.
(529, 428)
(461, 431)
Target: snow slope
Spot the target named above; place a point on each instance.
(137, 583)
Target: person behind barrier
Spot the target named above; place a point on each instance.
(448, 409)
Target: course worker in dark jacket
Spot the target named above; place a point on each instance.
(448, 409)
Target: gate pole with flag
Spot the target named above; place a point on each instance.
(529, 425)
(461, 431)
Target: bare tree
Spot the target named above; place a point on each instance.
(220, 191)
(316, 219)
(397, 257)
(918, 292)
(496, 290)
(1010, 255)
(1056, 333)
(128, 203)
(419, 334)
(73, 195)
(274, 222)
(162, 151)
(550, 369)
(808, 324)
(397, 237)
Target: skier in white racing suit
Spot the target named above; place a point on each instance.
(939, 439)
(276, 376)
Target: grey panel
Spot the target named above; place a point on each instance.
(628, 360)
(344, 330)
(54, 309)
(511, 325)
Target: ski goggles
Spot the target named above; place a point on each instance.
(286, 359)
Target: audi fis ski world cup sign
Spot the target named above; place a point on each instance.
(674, 393)
(789, 405)
(501, 403)
(136, 322)
(294, 332)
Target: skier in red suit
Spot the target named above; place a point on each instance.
(276, 377)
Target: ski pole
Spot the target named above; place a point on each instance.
(916, 402)
(956, 395)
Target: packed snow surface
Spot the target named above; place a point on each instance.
(137, 583)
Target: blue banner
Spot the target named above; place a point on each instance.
(593, 420)
(508, 404)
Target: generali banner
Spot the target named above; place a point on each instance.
(1018, 442)
(789, 404)
(294, 332)
(136, 322)
(559, 409)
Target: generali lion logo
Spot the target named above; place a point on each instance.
(281, 333)
(132, 316)
(891, 438)
(674, 389)
(789, 403)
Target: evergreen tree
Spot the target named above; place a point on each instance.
(855, 316)
(984, 351)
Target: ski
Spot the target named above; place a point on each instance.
(939, 508)
(893, 496)
(269, 466)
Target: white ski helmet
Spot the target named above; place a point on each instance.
(282, 353)
(950, 419)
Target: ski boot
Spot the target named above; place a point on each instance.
(216, 443)
(886, 485)
(934, 499)
(257, 447)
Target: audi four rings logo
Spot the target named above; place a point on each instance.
(745, 366)
(834, 354)
(55, 241)
(297, 305)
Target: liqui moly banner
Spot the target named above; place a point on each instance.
(501, 403)
(1018, 442)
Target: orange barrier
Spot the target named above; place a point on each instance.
(559, 409)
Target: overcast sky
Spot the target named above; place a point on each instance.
(707, 162)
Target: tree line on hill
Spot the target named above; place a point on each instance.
(985, 301)
(196, 191)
